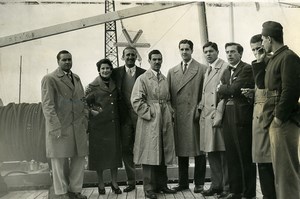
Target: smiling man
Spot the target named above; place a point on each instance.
(125, 77)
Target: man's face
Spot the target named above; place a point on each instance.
(267, 44)
(210, 54)
(233, 56)
(129, 56)
(65, 62)
(255, 47)
(185, 52)
(155, 62)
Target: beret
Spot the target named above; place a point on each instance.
(272, 29)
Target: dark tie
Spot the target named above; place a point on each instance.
(158, 75)
(69, 74)
(184, 68)
(209, 70)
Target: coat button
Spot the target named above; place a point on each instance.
(110, 95)
(111, 103)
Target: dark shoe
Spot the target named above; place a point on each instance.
(198, 189)
(116, 190)
(129, 188)
(166, 190)
(101, 191)
(211, 192)
(150, 194)
(180, 188)
(223, 194)
(233, 196)
(77, 195)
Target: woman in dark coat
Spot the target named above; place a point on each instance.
(104, 128)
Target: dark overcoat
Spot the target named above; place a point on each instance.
(104, 128)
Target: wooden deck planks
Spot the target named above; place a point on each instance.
(92, 193)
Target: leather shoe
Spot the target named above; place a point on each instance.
(198, 189)
(150, 194)
(129, 188)
(211, 192)
(233, 196)
(223, 194)
(101, 191)
(180, 188)
(116, 190)
(166, 190)
(77, 195)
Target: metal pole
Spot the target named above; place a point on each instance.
(202, 27)
(231, 22)
(20, 79)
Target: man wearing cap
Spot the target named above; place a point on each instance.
(281, 110)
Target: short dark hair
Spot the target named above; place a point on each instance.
(152, 52)
(212, 44)
(186, 41)
(62, 52)
(240, 48)
(103, 61)
(128, 48)
(273, 29)
(255, 39)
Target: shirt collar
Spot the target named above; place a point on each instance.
(213, 65)
(235, 65)
(155, 73)
(133, 69)
(188, 63)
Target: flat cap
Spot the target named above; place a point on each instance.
(272, 29)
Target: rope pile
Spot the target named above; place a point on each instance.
(22, 132)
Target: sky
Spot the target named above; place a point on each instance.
(163, 30)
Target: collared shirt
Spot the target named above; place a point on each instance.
(234, 67)
(188, 64)
(213, 65)
(132, 70)
(155, 73)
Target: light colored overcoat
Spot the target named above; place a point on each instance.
(64, 112)
(150, 99)
(186, 91)
(211, 138)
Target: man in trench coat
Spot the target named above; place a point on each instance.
(154, 141)
(211, 132)
(66, 125)
(186, 82)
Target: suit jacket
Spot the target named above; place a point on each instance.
(118, 77)
(231, 89)
(186, 91)
(64, 111)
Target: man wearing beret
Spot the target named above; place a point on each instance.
(281, 110)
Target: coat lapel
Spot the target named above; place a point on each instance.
(237, 71)
(188, 75)
(63, 77)
(213, 73)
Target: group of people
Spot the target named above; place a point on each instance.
(238, 114)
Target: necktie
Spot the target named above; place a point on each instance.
(209, 70)
(158, 75)
(184, 68)
(232, 69)
(130, 72)
(69, 74)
